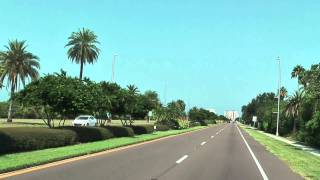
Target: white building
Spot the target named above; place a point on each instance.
(232, 115)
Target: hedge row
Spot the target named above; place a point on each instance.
(143, 129)
(119, 131)
(26, 139)
(20, 139)
(161, 127)
(90, 134)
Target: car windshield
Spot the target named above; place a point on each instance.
(82, 118)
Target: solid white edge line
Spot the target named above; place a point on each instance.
(263, 174)
(182, 159)
(203, 143)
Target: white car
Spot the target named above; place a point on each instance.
(85, 120)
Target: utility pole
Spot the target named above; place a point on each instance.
(279, 95)
(113, 66)
(165, 94)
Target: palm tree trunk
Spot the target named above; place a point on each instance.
(81, 70)
(294, 126)
(9, 120)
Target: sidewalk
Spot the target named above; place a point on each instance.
(297, 144)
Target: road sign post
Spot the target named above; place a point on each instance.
(149, 116)
(254, 119)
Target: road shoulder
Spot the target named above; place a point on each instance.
(283, 157)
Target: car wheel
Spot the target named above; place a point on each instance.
(87, 124)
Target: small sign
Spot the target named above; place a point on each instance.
(254, 119)
(150, 113)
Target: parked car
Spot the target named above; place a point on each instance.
(85, 120)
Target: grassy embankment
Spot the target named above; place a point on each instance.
(300, 161)
(10, 162)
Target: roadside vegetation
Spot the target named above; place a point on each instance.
(298, 160)
(56, 98)
(10, 162)
(299, 112)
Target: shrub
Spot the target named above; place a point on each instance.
(143, 129)
(183, 124)
(194, 123)
(17, 139)
(175, 123)
(172, 124)
(162, 127)
(120, 131)
(211, 121)
(203, 122)
(89, 134)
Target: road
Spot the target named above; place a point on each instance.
(219, 152)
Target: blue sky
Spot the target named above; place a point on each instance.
(212, 54)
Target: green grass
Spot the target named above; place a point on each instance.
(10, 162)
(300, 161)
(40, 123)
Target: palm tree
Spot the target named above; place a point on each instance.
(83, 48)
(1, 73)
(283, 93)
(133, 89)
(298, 72)
(19, 65)
(293, 107)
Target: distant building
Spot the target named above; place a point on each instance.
(232, 115)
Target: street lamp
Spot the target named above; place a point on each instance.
(279, 91)
(113, 64)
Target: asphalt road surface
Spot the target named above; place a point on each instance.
(220, 152)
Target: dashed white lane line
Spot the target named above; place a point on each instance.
(217, 132)
(182, 159)
(263, 174)
(212, 137)
(203, 143)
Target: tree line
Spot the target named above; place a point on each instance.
(59, 96)
(299, 112)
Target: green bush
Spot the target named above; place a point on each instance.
(176, 123)
(171, 123)
(120, 131)
(89, 134)
(17, 139)
(161, 127)
(194, 123)
(143, 129)
(203, 122)
(211, 121)
(183, 124)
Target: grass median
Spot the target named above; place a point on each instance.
(11, 162)
(300, 161)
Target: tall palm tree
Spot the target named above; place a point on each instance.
(298, 72)
(83, 48)
(19, 65)
(293, 107)
(1, 73)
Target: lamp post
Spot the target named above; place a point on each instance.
(279, 96)
(113, 66)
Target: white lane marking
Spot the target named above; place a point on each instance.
(203, 143)
(217, 132)
(212, 137)
(182, 159)
(263, 174)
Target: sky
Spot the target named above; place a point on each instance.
(211, 54)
